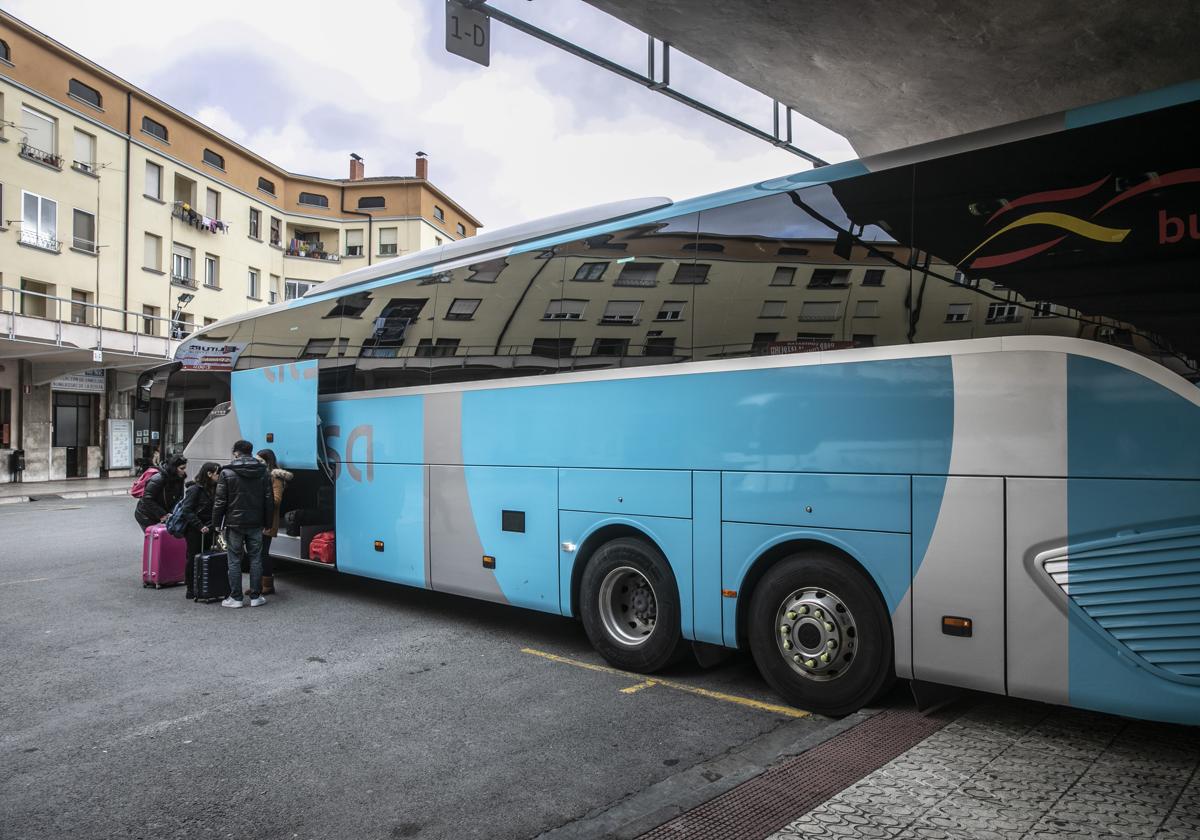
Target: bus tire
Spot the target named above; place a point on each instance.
(629, 604)
(820, 634)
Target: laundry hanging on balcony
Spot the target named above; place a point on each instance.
(187, 215)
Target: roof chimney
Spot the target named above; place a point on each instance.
(422, 166)
(357, 168)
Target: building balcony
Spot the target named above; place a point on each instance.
(310, 251)
(41, 242)
(41, 156)
(184, 212)
(183, 280)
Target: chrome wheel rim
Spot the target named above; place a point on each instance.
(816, 634)
(628, 606)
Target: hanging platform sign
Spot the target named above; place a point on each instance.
(84, 382)
(468, 33)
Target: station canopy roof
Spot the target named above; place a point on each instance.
(887, 75)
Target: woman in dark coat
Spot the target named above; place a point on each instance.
(279, 482)
(162, 492)
(197, 513)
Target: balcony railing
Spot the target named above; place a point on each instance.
(38, 240)
(67, 314)
(316, 252)
(183, 280)
(41, 156)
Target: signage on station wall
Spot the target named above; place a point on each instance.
(209, 355)
(84, 382)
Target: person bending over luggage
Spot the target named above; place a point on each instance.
(245, 508)
(197, 513)
(279, 482)
(163, 491)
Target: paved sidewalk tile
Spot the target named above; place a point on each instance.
(1006, 770)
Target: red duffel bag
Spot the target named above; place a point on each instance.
(321, 548)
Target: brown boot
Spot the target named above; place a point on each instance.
(268, 585)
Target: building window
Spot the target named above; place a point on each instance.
(590, 272)
(266, 186)
(85, 152)
(785, 275)
(427, 348)
(255, 223)
(793, 252)
(659, 346)
(460, 229)
(36, 303)
(866, 309)
(387, 242)
(773, 309)
(153, 180)
(462, 309)
(963, 280)
(212, 203)
(694, 274)
(553, 348)
(638, 274)
(80, 309)
(183, 264)
(439, 213)
(153, 253)
(873, 277)
(354, 243)
(39, 221)
(437, 241)
(762, 341)
(6, 435)
(621, 312)
(85, 93)
(214, 159)
(610, 347)
(958, 312)
(829, 278)
(273, 292)
(1002, 313)
(212, 271)
(671, 310)
(150, 320)
(293, 289)
(313, 199)
(41, 137)
(83, 235)
(819, 310)
(5, 52)
(154, 128)
(182, 325)
(276, 231)
(370, 202)
(252, 290)
(1044, 309)
(708, 247)
(565, 310)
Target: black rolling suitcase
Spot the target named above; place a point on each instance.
(210, 576)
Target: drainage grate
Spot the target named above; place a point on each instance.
(768, 802)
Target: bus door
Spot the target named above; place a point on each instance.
(276, 407)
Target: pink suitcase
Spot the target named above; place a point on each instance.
(164, 558)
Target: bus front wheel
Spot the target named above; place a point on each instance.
(630, 605)
(820, 634)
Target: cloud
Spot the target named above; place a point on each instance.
(305, 84)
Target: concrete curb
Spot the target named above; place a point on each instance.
(677, 794)
(54, 497)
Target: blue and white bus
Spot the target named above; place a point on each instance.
(930, 415)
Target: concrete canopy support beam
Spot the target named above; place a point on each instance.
(887, 75)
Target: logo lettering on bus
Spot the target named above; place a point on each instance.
(277, 374)
(360, 446)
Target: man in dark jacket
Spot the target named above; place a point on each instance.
(162, 492)
(244, 506)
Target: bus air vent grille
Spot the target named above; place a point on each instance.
(1142, 590)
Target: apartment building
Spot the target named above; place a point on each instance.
(126, 224)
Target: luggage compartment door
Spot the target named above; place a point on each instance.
(276, 408)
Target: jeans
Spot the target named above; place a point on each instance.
(248, 540)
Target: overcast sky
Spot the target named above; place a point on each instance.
(539, 132)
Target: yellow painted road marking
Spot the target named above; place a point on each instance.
(30, 580)
(787, 711)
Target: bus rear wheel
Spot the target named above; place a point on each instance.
(630, 605)
(820, 634)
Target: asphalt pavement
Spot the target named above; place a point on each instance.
(344, 708)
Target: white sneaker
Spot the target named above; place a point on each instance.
(257, 602)
(232, 604)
